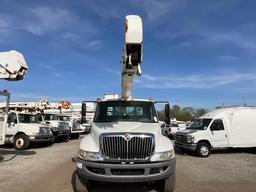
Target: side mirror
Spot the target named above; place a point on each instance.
(167, 113)
(83, 113)
(163, 125)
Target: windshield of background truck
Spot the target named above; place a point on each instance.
(28, 118)
(63, 118)
(200, 124)
(50, 117)
(138, 111)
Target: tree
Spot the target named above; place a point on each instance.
(200, 112)
(186, 113)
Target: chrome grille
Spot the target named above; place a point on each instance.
(136, 147)
(180, 138)
(44, 131)
(76, 126)
(63, 125)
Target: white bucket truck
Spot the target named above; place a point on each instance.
(233, 127)
(59, 128)
(125, 143)
(24, 128)
(13, 67)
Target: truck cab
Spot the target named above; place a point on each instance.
(74, 124)
(60, 129)
(24, 128)
(125, 145)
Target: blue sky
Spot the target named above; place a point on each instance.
(196, 53)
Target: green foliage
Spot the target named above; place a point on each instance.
(183, 114)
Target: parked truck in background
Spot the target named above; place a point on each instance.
(74, 123)
(13, 68)
(60, 129)
(24, 128)
(222, 128)
(125, 143)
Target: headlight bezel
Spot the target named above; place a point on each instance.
(89, 155)
(163, 156)
(190, 138)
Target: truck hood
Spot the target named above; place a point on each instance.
(188, 131)
(31, 125)
(124, 127)
(127, 127)
(91, 141)
(52, 123)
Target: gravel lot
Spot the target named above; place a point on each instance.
(51, 169)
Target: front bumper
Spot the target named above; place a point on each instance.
(60, 133)
(188, 146)
(125, 173)
(41, 138)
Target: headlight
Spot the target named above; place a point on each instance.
(86, 155)
(163, 156)
(190, 138)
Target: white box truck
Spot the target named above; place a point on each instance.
(233, 127)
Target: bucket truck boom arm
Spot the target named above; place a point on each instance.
(132, 53)
(12, 68)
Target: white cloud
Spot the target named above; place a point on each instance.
(47, 67)
(185, 44)
(47, 19)
(44, 20)
(228, 58)
(103, 9)
(109, 69)
(3, 23)
(194, 81)
(95, 44)
(239, 38)
(155, 9)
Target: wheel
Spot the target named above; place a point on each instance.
(21, 142)
(169, 184)
(203, 149)
(48, 144)
(63, 138)
(66, 139)
(81, 185)
(75, 136)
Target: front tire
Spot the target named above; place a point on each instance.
(81, 185)
(169, 184)
(21, 142)
(203, 149)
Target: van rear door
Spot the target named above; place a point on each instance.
(218, 136)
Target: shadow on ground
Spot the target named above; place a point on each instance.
(12, 153)
(117, 187)
(219, 151)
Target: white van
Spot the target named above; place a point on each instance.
(222, 128)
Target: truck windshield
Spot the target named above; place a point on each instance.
(28, 118)
(200, 124)
(50, 117)
(63, 118)
(139, 111)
